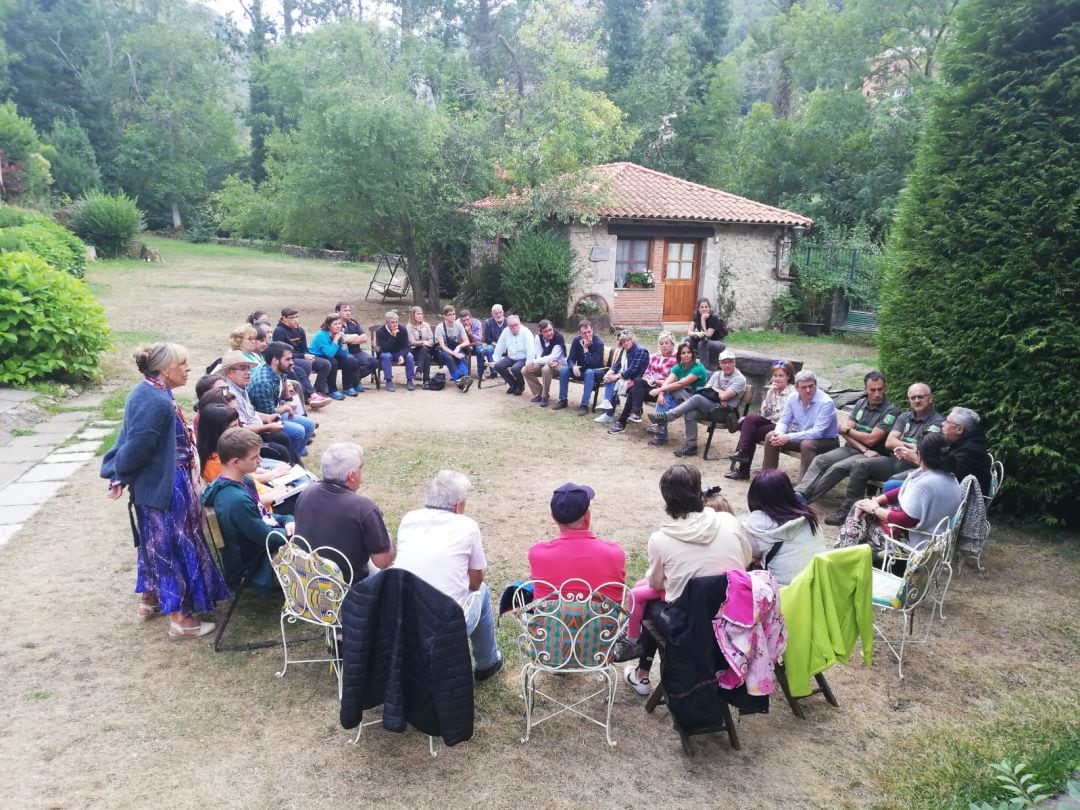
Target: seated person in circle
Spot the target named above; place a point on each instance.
(695, 542)
(918, 505)
(453, 343)
(686, 378)
(355, 340)
(783, 533)
(393, 343)
(706, 332)
(442, 545)
(577, 553)
(244, 521)
(421, 343)
(756, 426)
(474, 328)
(329, 343)
(215, 419)
(585, 358)
(723, 390)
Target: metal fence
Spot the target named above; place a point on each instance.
(856, 270)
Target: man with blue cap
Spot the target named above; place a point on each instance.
(576, 553)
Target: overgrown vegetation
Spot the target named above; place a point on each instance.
(29, 231)
(50, 325)
(983, 283)
(108, 221)
(536, 275)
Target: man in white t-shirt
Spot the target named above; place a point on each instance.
(442, 546)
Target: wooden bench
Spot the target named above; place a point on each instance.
(858, 321)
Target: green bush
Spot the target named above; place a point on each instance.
(481, 286)
(43, 237)
(536, 275)
(108, 221)
(239, 211)
(51, 327)
(982, 286)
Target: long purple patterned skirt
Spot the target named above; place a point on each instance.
(174, 561)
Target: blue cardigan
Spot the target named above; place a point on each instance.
(144, 456)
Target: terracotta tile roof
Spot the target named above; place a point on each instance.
(639, 193)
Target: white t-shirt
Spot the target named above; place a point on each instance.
(440, 547)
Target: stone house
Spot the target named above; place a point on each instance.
(692, 240)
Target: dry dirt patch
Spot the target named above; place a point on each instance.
(102, 711)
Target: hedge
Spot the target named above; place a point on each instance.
(982, 287)
(29, 231)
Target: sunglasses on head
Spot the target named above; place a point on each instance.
(778, 363)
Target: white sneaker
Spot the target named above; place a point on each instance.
(642, 687)
(606, 405)
(604, 418)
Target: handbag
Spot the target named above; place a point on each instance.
(438, 381)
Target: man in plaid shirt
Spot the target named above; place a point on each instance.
(268, 392)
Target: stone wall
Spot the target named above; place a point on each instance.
(748, 254)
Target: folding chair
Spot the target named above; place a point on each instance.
(570, 632)
(213, 532)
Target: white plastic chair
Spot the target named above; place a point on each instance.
(904, 594)
(314, 588)
(571, 632)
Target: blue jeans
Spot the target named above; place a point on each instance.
(511, 371)
(298, 429)
(480, 625)
(458, 368)
(388, 361)
(588, 376)
(666, 403)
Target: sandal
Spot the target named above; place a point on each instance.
(179, 631)
(146, 611)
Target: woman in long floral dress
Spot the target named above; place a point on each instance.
(155, 456)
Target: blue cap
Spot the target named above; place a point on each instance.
(570, 501)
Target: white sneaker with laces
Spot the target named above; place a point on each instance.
(606, 405)
(604, 418)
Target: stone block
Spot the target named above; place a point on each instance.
(10, 455)
(17, 515)
(80, 447)
(36, 440)
(50, 472)
(14, 395)
(95, 433)
(58, 430)
(60, 457)
(87, 400)
(71, 416)
(11, 471)
(27, 494)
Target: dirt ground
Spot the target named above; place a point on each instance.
(102, 711)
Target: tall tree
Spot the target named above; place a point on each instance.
(624, 28)
(180, 139)
(983, 288)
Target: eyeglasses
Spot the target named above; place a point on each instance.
(918, 396)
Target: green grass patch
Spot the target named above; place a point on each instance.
(22, 431)
(112, 408)
(37, 694)
(949, 767)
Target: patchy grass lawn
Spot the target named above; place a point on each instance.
(100, 710)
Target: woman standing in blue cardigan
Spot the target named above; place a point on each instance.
(155, 456)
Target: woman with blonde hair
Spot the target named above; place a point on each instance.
(155, 456)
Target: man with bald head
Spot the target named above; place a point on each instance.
(901, 454)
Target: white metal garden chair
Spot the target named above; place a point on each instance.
(314, 589)
(903, 595)
(571, 632)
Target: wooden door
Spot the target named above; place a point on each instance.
(681, 265)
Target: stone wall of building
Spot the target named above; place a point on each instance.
(747, 255)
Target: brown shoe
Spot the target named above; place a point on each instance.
(686, 450)
(560, 405)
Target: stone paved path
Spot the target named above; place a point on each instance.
(36, 466)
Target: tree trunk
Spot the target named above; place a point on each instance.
(412, 261)
(434, 260)
(177, 222)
